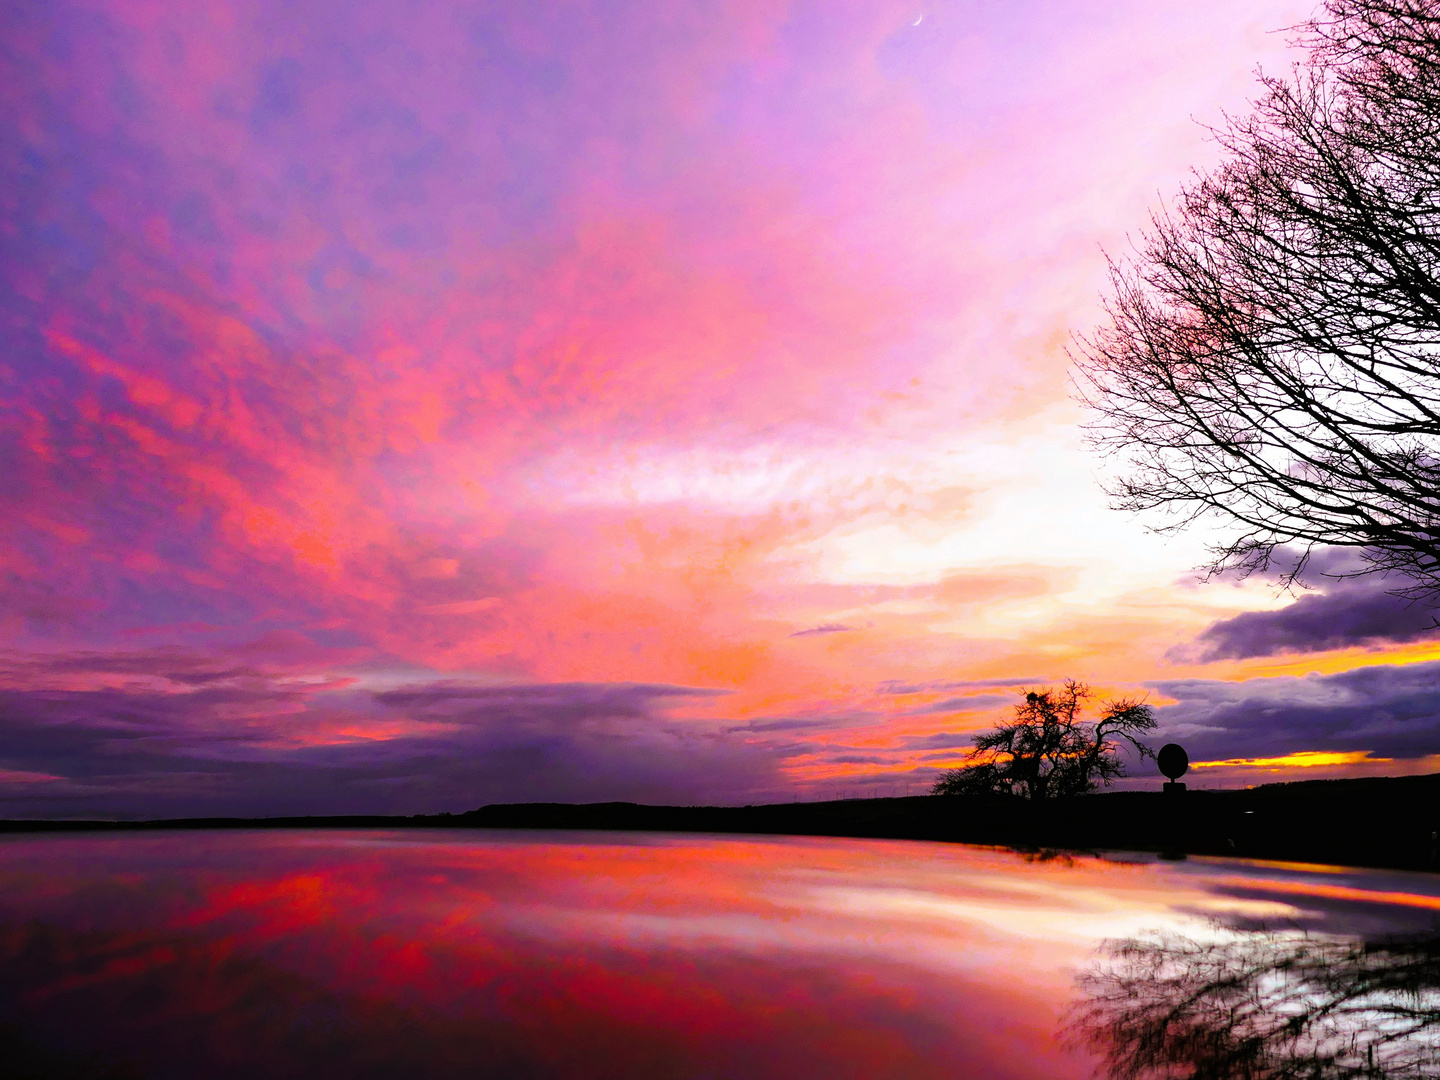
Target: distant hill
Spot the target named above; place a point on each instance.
(1376, 821)
(1381, 821)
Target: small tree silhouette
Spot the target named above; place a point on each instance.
(1048, 752)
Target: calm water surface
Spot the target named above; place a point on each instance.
(420, 954)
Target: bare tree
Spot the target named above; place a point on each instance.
(1048, 752)
(1271, 355)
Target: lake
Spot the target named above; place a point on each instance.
(483, 954)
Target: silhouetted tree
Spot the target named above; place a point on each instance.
(1048, 751)
(1263, 1006)
(1271, 355)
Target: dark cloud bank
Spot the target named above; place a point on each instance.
(1390, 710)
(196, 737)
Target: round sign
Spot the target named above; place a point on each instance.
(1173, 760)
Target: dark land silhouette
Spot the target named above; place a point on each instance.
(1391, 822)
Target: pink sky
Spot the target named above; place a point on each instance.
(405, 407)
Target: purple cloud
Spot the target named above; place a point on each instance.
(1343, 615)
(187, 735)
(783, 724)
(962, 704)
(548, 701)
(895, 686)
(1388, 710)
(941, 740)
(1343, 609)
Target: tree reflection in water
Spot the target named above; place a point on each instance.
(1263, 1006)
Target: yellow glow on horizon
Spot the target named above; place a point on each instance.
(1302, 759)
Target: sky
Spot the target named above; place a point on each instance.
(405, 407)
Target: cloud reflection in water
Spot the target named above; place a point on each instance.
(436, 954)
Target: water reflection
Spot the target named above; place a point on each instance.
(423, 955)
(1264, 1006)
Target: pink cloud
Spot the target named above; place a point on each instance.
(545, 345)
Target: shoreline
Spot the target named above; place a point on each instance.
(1379, 822)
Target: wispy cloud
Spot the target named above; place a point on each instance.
(896, 686)
(962, 704)
(823, 628)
